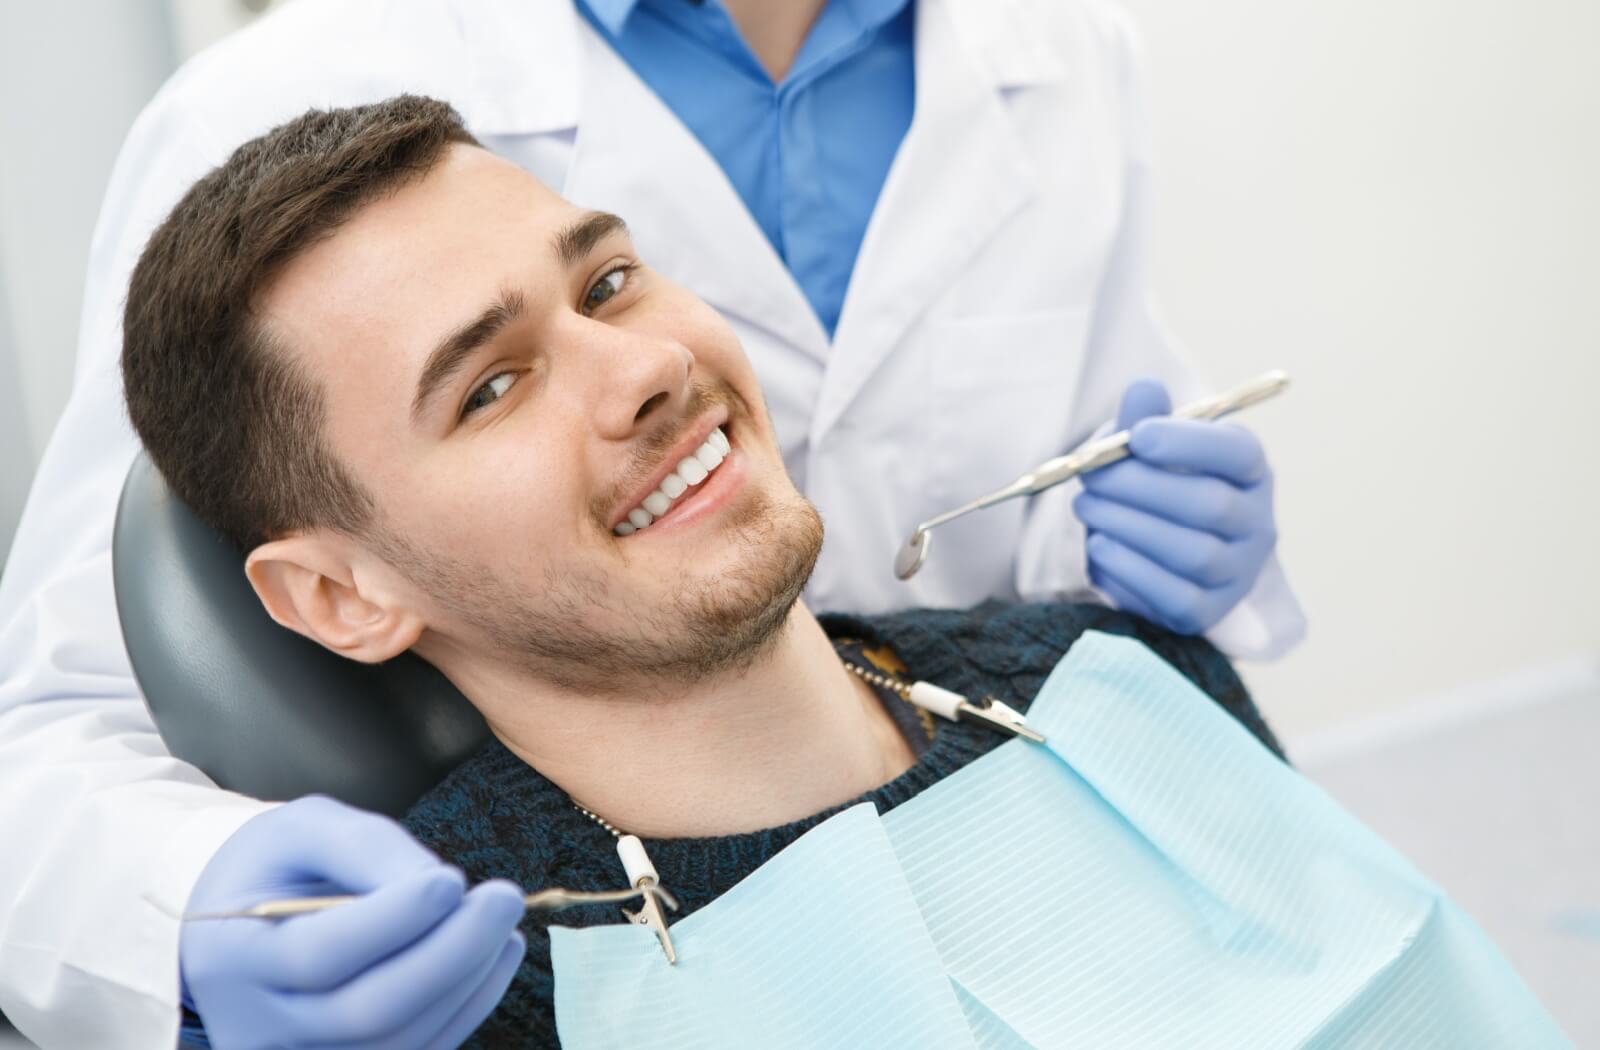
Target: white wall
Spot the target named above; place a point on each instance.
(1393, 201)
(72, 78)
(1397, 202)
(16, 450)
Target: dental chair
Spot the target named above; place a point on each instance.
(256, 707)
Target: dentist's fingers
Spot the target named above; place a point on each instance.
(350, 847)
(448, 1021)
(1192, 500)
(1178, 604)
(483, 1000)
(1142, 399)
(1221, 450)
(1199, 557)
(395, 991)
(322, 950)
(1120, 595)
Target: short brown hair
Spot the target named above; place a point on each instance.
(233, 425)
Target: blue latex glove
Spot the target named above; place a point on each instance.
(1178, 531)
(417, 962)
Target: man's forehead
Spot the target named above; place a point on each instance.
(469, 197)
(403, 261)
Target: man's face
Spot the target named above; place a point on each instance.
(510, 384)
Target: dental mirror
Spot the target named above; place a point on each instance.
(1091, 455)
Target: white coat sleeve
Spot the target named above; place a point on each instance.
(104, 832)
(1126, 342)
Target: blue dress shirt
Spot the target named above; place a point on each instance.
(808, 155)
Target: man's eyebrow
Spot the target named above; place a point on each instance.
(571, 244)
(574, 242)
(454, 349)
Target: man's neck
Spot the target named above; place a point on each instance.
(790, 736)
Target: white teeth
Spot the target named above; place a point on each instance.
(691, 471)
(709, 456)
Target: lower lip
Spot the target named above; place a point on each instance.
(705, 499)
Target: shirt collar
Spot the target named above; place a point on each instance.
(612, 13)
(872, 13)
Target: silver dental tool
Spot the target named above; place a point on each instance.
(1091, 455)
(545, 900)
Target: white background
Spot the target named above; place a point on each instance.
(1397, 202)
(1394, 201)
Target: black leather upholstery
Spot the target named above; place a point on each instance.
(261, 710)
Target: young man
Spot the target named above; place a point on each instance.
(477, 426)
(876, 269)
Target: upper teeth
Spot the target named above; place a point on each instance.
(690, 471)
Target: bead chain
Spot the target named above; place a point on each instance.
(895, 685)
(602, 821)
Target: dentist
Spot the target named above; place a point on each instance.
(925, 221)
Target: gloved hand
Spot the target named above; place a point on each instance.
(417, 962)
(1178, 531)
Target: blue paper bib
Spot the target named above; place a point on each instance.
(1152, 877)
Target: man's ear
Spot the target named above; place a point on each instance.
(307, 583)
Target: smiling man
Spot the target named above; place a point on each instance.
(441, 409)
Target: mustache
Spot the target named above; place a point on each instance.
(652, 445)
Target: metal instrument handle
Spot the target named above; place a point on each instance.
(1107, 450)
(552, 899)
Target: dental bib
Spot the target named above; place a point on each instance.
(1150, 877)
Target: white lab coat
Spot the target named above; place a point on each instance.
(997, 310)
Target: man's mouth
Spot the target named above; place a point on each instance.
(678, 483)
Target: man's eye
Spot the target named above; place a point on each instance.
(488, 393)
(606, 287)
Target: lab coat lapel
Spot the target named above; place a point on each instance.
(634, 157)
(961, 172)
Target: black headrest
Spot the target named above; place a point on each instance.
(258, 708)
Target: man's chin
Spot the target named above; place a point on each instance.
(582, 632)
(726, 620)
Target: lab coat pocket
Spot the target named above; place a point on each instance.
(1001, 391)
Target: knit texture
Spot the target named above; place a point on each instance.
(497, 817)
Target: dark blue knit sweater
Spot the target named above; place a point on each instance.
(496, 817)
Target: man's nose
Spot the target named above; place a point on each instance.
(635, 377)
